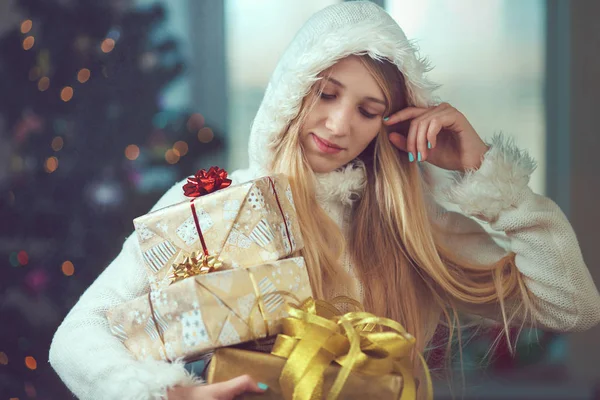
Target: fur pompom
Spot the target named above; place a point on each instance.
(345, 184)
(497, 185)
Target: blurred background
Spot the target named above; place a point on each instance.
(106, 104)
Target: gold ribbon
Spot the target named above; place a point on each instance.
(194, 264)
(315, 334)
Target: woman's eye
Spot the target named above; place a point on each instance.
(367, 114)
(327, 96)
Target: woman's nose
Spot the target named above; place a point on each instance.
(338, 120)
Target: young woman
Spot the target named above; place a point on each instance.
(350, 117)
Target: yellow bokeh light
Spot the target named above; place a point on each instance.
(57, 143)
(43, 83)
(83, 75)
(132, 152)
(68, 268)
(26, 26)
(171, 157)
(3, 358)
(66, 93)
(205, 135)
(51, 164)
(107, 45)
(30, 362)
(181, 147)
(28, 42)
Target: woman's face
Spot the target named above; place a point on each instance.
(345, 119)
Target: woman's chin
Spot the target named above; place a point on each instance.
(323, 168)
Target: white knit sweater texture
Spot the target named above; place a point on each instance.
(94, 364)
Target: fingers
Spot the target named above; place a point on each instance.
(237, 386)
(426, 124)
(405, 114)
(398, 140)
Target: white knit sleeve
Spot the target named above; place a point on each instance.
(92, 362)
(537, 231)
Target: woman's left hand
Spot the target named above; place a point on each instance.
(454, 143)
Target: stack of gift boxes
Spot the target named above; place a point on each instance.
(222, 268)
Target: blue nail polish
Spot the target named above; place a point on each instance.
(428, 145)
(263, 386)
(411, 158)
(386, 118)
(419, 156)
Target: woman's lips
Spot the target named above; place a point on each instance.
(324, 146)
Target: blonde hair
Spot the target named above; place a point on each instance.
(397, 253)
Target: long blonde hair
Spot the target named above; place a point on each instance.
(397, 253)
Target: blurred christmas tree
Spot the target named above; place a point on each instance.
(88, 146)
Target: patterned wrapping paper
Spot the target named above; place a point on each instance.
(208, 311)
(247, 224)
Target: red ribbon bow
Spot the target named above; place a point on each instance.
(205, 182)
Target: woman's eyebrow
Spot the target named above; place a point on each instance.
(340, 84)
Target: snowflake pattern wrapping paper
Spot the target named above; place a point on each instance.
(205, 312)
(246, 224)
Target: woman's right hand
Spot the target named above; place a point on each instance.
(217, 391)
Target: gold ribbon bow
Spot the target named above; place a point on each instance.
(194, 265)
(315, 334)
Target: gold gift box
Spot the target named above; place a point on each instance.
(208, 311)
(243, 225)
(229, 363)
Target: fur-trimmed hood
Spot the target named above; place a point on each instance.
(335, 32)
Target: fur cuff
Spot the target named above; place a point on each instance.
(149, 380)
(497, 185)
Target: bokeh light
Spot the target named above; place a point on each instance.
(83, 75)
(43, 83)
(26, 26)
(34, 73)
(3, 358)
(30, 362)
(51, 164)
(57, 143)
(181, 147)
(30, 390)
(68, 268)
(23, 257)
(171, 157)
(13, 259)
(205, 135)
(160, 120)
(66, 93)
(132, 152)
(16, 163)
(107, 45)
(28, 42)
(195, 122)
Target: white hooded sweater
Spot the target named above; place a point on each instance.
(94, 364)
